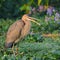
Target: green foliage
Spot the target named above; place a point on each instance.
(16, 8)
(34, 46)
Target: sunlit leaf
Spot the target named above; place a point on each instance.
(39, 2)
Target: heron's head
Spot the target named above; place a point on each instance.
(26, 17)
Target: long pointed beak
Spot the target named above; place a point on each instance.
(34, 20)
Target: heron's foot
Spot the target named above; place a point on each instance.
(13, 50)
(16, 51)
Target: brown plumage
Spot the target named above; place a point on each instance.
(18, 30)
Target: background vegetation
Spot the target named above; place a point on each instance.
(15, 8)
(35, 46)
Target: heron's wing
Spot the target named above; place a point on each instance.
(14, 31)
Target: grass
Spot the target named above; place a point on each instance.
(35, 46)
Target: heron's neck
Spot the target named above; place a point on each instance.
(26, 28)
(27, 25)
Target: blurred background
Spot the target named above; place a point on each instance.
(16, 8)
(43, 42)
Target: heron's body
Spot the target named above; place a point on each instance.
(17, 31)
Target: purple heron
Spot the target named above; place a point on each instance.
(18, 30)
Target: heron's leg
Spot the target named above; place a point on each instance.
(13, 49)
(16, 47)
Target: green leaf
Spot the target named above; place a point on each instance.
(39, 2)
(24, 58)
